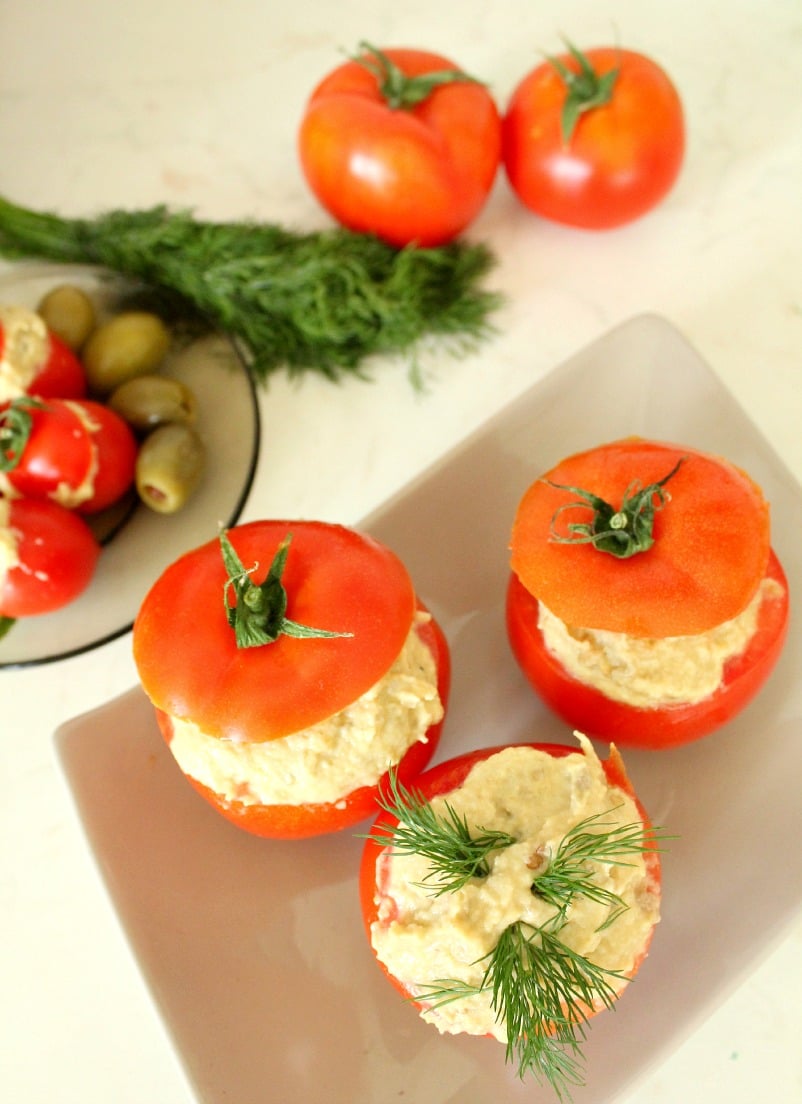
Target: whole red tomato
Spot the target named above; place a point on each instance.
(193, 666)
(76, 452)
(402, 144)
(594, 139)
(51, 554)
(692, 578)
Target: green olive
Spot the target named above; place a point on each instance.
(169, 467)
(133, 343)
(69, 313)
(149, 401)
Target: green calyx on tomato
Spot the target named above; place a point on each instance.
(258, 614)
(15, 429)
(399, 90)
(622, 531)
(586, 89)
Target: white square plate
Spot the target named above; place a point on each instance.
(254, 950)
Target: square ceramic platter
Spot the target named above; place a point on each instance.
(254, 950)
(140, 544)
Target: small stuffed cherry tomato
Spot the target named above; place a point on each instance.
(34, 361)
(286, 704)
(47, 556)
(402, 144)
(76, 452)
(634, 608)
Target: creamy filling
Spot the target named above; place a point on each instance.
(646, 672)
(25, 348)
(537, 798)
(327, 761)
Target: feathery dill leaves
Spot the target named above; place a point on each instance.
(321, 300)
(455, 853)
(541, 990)
(568, 873)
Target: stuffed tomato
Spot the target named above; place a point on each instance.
(34, 361)
(291, 665)
(645, 603)
(513, 892)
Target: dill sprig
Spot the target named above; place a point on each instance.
(455, 852)
(569, 873)
(542, 991)
(322, 300)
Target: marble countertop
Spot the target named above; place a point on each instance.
(197, 105)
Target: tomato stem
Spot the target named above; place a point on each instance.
(399, 90)
(257, 615)
(586, 89)
(622, 532)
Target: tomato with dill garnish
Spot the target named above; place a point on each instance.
(76, 452)
(697, 576)
(338, 582)
(50, 555)
(399, 830)
(594, 139)
(402, 144)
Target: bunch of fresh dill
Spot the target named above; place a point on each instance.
(322, 300)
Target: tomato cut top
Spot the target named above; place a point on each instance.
(710, 551)
(336, 579)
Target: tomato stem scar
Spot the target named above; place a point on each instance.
(257, 615)
(399, 90)
(622, 532)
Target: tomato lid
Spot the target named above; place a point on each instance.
(710, 550)
(336, 580)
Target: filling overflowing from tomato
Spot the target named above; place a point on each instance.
(440, 942)
(328, 760)
(648, 672)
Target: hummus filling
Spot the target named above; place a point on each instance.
(425, 939)
(647, 672)
(327, 761)
(25, 348)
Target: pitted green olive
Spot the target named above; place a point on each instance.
(69, 313)
(149, 401)
(169, 467)
(133, 343)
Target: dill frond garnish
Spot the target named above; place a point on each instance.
(320, 301)
(456, 854)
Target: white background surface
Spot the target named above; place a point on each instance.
(197, 104)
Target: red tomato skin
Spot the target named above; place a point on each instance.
(623, 157)
(335, 578)
(415, 175)
(662, 727)
(303, 821)
(116, 451)
(68, 439)
(61, 376)
(442, 779)
(58, 451)
(57, 552)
